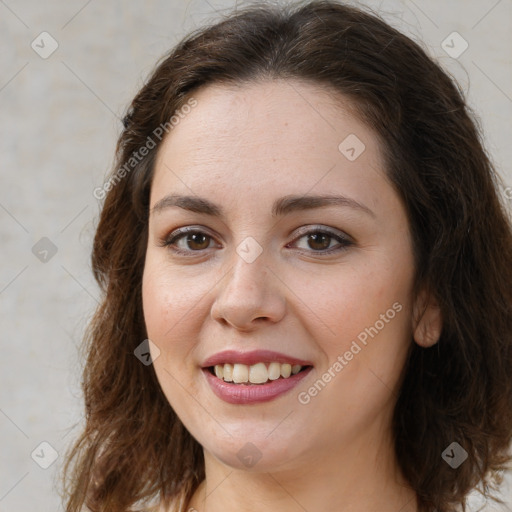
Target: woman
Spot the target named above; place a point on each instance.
(307, 281)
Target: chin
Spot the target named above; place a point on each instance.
(254, 453)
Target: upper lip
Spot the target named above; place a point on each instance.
(252, 357)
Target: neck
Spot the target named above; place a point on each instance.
(360, 477)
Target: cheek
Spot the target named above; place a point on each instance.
(164, 310)
(170, 299)
(355, 299)
(176, 308)
(365, 352)
(156, 300)
(368, 314)
(171, 313)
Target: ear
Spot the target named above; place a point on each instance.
(427, 320)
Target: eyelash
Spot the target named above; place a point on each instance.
(177, 235)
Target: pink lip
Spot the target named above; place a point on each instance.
(252, 393)
(252, 357)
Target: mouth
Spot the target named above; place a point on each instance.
(243, 378)
(255, 374)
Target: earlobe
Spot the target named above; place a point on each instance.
(427, 320)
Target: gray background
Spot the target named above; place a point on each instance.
(58, 125)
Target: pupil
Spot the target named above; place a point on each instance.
(195, 238)
(320, 239)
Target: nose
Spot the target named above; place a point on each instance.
(249, 295)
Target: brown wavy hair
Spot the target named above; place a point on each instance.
(134, 449)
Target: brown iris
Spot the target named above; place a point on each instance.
(319, 241)
(202, 241)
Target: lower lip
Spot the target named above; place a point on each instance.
(252, 393)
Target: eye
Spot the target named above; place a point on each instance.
(187, 240)
(324, 241)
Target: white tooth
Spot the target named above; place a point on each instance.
(227, 372)
(219, 371)
(286, 370)
(274, 371)
(240, 373)
(258, 373)
(296, 369)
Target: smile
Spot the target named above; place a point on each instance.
(259, 373)
(253, 377)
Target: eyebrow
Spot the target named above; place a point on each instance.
(281, 206)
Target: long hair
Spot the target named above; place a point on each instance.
(134, 448)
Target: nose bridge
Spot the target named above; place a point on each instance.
(247, 277)
(251, 253)
(248, 291)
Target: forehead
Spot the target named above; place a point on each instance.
(280, 133)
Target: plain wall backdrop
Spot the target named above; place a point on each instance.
(68, 70)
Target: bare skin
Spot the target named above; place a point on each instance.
(243, 148)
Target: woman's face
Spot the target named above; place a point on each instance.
(262, 274)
